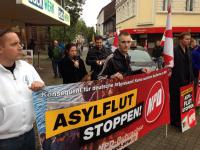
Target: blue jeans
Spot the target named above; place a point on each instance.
(22, 142)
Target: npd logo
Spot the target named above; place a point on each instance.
(191, 118)
(155, 102)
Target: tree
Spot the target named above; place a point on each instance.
(68, 33)
(75, 8)
(90, 33)
(82, 29)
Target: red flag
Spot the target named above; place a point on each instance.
(115, 42)
(197, 103)
(168, 53)
(162, 42)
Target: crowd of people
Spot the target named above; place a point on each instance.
(67, 63)
(18, 79)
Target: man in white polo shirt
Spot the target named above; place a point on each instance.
(17, 81)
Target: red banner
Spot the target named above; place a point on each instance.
(197, 103)
(188, 118)
(105, 114)
(153, 95)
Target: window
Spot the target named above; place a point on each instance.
(165, 5)
(128, 11)
(133, 6)
(189, 5)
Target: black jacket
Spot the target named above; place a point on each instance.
(157, 51)
(119, 63)
(93, 55)
(69, 72)
(182, 75)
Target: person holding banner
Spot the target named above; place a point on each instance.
(72, 67)
(118, 65)
(182, 75)
(18, 79)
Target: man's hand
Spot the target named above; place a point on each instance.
(87, 77)
(76, 64)
(118, 76)
(36, 86)
(146, 70)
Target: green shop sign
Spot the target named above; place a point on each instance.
(49, 8)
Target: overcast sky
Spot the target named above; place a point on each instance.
(91, 10)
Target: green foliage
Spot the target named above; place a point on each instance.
(82, 29)
(90, 33)
(75, 8)
(77, 26)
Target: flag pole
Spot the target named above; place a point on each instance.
(167, 25)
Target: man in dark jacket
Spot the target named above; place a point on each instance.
(195, 58)
(182, 75)
(157, 50)
(96, 56)
(157, 54)
(56, 58)
(119, 65)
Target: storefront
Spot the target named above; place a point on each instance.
(22, 14)
(156, 33)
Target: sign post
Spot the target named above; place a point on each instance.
(188, 118)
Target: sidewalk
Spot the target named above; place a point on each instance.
(175, 140)
(156, 139)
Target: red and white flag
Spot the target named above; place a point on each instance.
(168, 53)
(116, 41)
(162, 42)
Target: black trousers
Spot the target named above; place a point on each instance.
(22, 142)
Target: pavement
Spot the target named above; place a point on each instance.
(154, 140)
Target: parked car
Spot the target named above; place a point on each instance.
(141, 59)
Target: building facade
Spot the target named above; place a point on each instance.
(106, 20)
(100, 21)
(109, 18)
(146, 20)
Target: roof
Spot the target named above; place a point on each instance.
(109, 10)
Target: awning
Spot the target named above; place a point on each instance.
(34, 12)
(155, 30)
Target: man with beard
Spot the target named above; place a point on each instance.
(96, 57)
